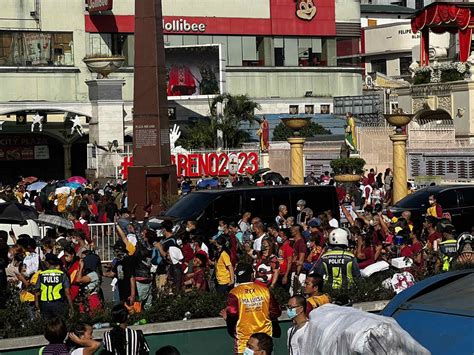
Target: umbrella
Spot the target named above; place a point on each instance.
(15, 213)
(73, 185)
(55, 221)
(208, 182)
(37, 186)
(63, 190)
(30, 179)
(78, 179)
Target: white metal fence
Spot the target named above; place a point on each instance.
(104, 236)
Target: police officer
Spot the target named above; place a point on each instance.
(448, 247)
(52, 296)
(338, 266)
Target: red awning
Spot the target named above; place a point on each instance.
(443, 17)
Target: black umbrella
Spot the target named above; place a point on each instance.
(15, 213)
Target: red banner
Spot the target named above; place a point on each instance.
(210, 164)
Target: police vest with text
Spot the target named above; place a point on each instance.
(448, 250)
(51, 285)
(338, 267)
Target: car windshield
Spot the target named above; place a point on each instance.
(190, 206)
(415, 200)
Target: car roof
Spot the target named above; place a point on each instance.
(439, 188)
(260, 188)
(449, 292)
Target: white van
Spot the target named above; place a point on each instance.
(30, 228)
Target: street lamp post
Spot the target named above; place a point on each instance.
(399, 140)
(296, 147)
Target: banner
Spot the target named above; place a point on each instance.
(210, 164)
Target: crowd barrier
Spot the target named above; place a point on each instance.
(104, 236)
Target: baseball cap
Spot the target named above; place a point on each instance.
(431, 219)
(243, 270)
(314, 223)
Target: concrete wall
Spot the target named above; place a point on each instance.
(347, 10)
(375, 147)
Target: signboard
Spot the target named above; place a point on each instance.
(19, 147)
(233, 17)
(210, 164)
(41, 152)
(99, 5)
(193, 71)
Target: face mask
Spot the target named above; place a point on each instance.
(179, 242)
(74, 241)
(248, 351)
(188, 229)
(220, 229)
(308, 244)
(279, 240)
(298, 208)
(431, 202)
(291, 313)
(10, 256)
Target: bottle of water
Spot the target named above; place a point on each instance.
(187, 315)
(101, 325)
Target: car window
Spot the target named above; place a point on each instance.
(190, 206)
(448, 199)
(416, 200)
(227, 205)
(467, 196)
(317, 199)
(260, 203)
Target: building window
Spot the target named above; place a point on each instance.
(309, 109)
(36, 49)
(348, 53)
(405, 63)
(293, 109)
(419, 4)
(113, 44)
(379, 65)
(324, 109)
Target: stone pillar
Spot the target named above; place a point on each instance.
(399, 167)
(106, 124)
(67, 160)
(265, 162)
(297, 163)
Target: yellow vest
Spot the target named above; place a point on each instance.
(254, 312)
(316, 301)
(51, 285)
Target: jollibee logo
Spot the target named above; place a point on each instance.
(305, 9)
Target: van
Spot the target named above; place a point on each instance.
(30, 228)
(207, 207)
(457, 200)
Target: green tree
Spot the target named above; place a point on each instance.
(237, 109)
(282, 133)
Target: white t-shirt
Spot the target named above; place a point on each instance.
(175, 255)
(296, 339)
(205, 248)
(78, 351)
(257, 243)
(334, 223)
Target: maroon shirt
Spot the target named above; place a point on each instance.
(199, 278)
(298, 248)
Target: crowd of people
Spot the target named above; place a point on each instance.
(244, 260)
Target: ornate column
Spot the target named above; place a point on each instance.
(399, 166)
(296, 147)
(297, 161)
(399, 141)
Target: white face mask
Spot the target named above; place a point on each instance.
(220, 229)
(298, 208)
(308, 244)
(248, 351)
(179, 242)
(188, 229)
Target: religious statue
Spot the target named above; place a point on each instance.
(264, 134)
(76, 126)
(37, 120)
(175, 133)
(413, 68)
(350, 134)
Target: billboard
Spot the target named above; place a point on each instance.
(193, 71)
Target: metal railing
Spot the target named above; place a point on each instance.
(104, 236)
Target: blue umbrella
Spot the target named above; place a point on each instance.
(208, 182)
(73, 185)
(37, 186)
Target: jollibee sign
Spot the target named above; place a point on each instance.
(210, 164)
